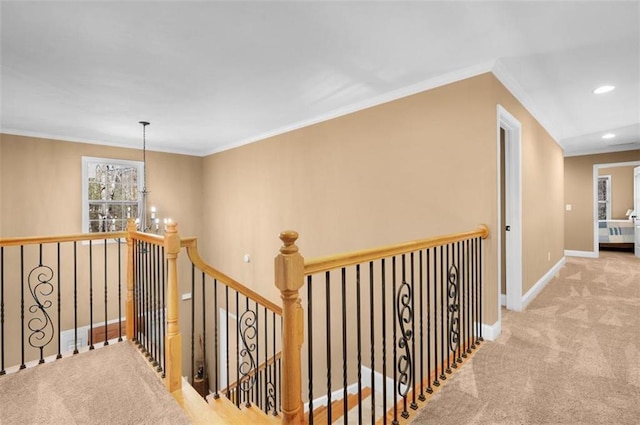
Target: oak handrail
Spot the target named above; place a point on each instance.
(323, 264)
(191, 244)
(75, 237)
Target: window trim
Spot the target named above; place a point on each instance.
(85, 183)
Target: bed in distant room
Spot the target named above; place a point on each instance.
(616, 234)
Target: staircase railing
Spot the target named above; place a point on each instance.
(398, 319)
(240, 338)
(60, 295)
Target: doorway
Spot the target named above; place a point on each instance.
(509, 135)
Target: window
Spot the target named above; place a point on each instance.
(110, 193)
(604, 198)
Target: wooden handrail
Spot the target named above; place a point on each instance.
(76, 237)
(332, 262)
(148, 237)
(191, 244)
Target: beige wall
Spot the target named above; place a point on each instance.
(41, 194)
(621, 190)
(416, 167)
(578, 177)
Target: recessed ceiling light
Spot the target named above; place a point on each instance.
(604, 89)
(609, 136)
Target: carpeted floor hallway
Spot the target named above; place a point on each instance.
(111, 385)
(572, 357)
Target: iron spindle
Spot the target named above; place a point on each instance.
(384, 342)
(480, 286)
(75, 297)
(226, 308)
(22, 365)
(193, 319)
(59, 355)
(359, 343)
(238, 393)
(474, 294)
(163, 310)
(106, 327)
(427, 275)
(277, 378)
(309, 346)
(119, 290)
(413, 405)
(91, 347)
(448, 326)
(458, 304)
(442, 308)
(465, 302)
(345, 401)
(421, 397)
(372, 334)
(267, 369)
(216, 366)
(204, 333)
(436, 382)
(328, 330)
(2, 370)
(395, 338)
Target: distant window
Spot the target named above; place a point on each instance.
(110, 193)
(604, 198)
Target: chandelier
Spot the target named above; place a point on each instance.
(147, 222)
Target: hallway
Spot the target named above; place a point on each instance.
(572, 357)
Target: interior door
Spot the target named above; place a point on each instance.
(636, 206)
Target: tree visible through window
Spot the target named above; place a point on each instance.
(604, 198)
(111, 190)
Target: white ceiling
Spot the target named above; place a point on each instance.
(213, 75)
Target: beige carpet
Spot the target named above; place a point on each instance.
(573, 357)
(110, 385)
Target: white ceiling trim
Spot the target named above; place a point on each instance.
(611, 149)
(507, 80)
(431, 83)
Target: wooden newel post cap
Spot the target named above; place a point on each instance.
(171, 227)
(288, 238)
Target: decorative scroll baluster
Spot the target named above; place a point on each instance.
(247, 325)
(453, 310)
(404, 310)
(40, 287)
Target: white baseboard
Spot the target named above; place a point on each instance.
(540, 284)
(491, 332)
(503, 300)
(585, 254)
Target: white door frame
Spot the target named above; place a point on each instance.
(596, 170)
(513, 208)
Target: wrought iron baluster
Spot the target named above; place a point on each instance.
(384, 340)
(2, 370)
(59, 355)
(396, 387)
(480, 287)
(40, 287)
(452, 307)
(445, 295)
(119, 290)
(442, 311)
(22, 363)
(421, 397)
(75, 297)
(436, 382)
(247, 369)
(163, 310)
(238, 393)
(403, 308)
(226, 307)
(413, 404)
(359, 343)
(328, 330)
(458, 311)
(345, 400)
(309, 346)
(428, 300)
(372, 335)
(91, 347)
(465, 298)
(474, 294)
(106, 327)
(193, 319)
(204, 333)
(216, 360)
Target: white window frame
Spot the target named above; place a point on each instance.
(85, 182)
(607, 201)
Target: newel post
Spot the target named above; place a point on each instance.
(129, 312)
(289, 278)
(173, 341)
